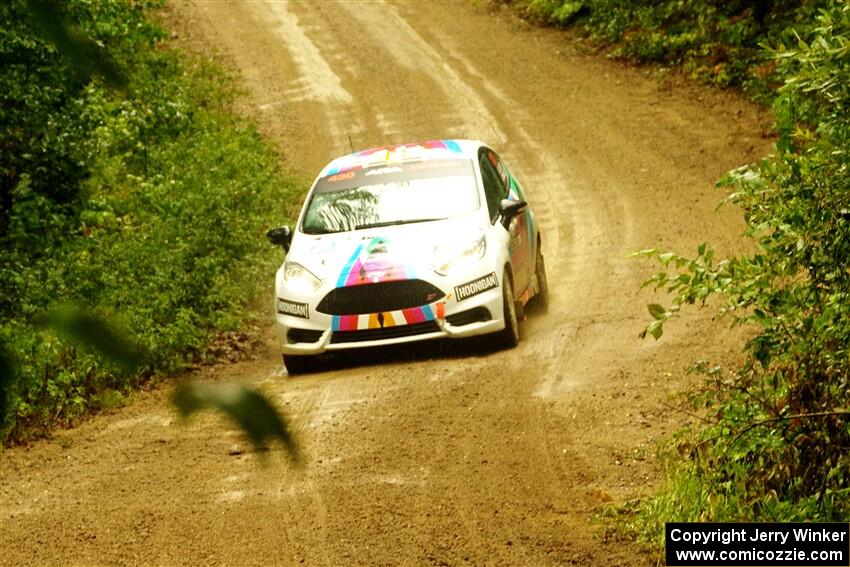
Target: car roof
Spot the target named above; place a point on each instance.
(396, 153)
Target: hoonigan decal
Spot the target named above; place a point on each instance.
(389, 318)
(293, 308)
(476, 286)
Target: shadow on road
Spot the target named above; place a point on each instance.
(410, 352)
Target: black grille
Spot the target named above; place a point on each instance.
(385, 333)
(303, 336)
(383, 296)
(475, 315)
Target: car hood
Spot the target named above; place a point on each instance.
(383, 254)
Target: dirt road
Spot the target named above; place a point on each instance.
(441, 454)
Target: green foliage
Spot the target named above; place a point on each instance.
(559, 12)
(776, 445)
(715, 42)
(147, 203)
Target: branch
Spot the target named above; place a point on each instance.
(795, 416)
(686, 412)
(751, 426)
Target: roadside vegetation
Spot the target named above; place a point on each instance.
(128, 192)
(774, 443)
(715, 42)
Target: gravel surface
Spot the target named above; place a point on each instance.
(446, 453)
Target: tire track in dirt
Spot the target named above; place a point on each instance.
(316, 80)
(591, 235)
(409, 50)
(476, 120)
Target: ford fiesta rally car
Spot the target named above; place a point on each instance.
(407, 243)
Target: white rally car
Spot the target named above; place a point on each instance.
(407, 243)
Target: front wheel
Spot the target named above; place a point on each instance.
(299, 364)
(509, 336)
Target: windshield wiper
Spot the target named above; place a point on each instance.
(393, 223)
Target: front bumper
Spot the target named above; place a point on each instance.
(447, 318)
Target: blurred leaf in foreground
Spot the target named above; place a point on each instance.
(78, 325)
(52, 24)
(249, 409)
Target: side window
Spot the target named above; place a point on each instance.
(515, 189)
(494, 186)
(503, 173)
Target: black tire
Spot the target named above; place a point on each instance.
(540, 301)
(509, 336)
(299, 364)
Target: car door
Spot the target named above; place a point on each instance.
(498, 185)
(525, 224)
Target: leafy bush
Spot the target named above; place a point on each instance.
(147, 204)
(715, 42)
(777, 443)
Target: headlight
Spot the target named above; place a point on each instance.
(470, 255)
(299, 278)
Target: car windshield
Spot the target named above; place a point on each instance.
(391, 194)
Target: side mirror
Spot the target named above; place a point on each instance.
(280, 237)
(510, 210)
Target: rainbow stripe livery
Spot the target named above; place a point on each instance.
(389, 318)
(389, 154)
